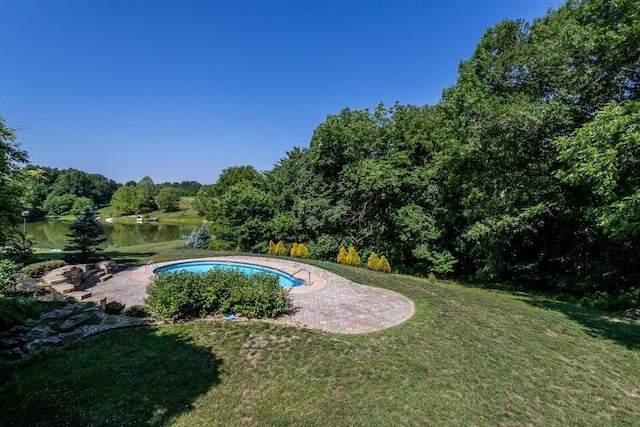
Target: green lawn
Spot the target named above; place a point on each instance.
(185, 214)
(468, 356)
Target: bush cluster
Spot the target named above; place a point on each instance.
(378, 264)
(277, 249)
(299, 250)
(350, 257)
(185, 295)
(39, 269)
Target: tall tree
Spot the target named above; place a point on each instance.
(125, 201)
(147, 192)
(86, 236)
(168, 199)
(11, 158)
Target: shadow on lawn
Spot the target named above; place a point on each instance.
(594, 322)
(131, 258)
(141, 376)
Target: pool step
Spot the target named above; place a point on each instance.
(63, 288)
(79, 295)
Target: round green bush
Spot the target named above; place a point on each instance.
(185, 295)
(137, 311)
(113, 307)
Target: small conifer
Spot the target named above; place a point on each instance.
(373, 261)
(342, 256)
(272, 248)
(280, 249)
(294, 250)
(238, 248)
(383, 265)
(303, 251)
(352, 257)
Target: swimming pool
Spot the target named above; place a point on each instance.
(285, 280)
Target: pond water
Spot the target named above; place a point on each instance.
(53, 234)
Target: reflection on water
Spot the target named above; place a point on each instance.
(53, 234)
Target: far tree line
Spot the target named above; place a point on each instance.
(52, 192)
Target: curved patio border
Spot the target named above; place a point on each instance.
(330, 303)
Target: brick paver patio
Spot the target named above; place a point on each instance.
(330, 303)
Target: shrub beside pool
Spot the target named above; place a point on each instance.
(188, 295)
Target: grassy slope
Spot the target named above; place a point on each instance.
(185, 214)
(467, 357)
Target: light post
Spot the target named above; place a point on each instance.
(25, 214)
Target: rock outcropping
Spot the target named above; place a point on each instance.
(73, 280)
(54, 329)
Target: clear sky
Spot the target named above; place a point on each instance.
(179, 90)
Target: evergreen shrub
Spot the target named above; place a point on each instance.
(383, 265)
(200, 238)
(342, 256)
(373, 261)
(352, 257)
(294, 250)
(280, 248)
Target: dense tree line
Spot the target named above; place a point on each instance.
(50, 191)
(528, 168)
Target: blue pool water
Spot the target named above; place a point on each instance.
(285, 280)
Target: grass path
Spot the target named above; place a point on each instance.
(467, 357)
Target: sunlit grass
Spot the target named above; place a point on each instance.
(467, 357)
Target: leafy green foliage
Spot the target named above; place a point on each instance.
(168, 199)
(11, 157)
(85, 236)
(137, 311)
(19, 247)
(39, 269)
(7, 274)
(113, 307)
(146, 192)
(125, 201)
(15, 310)
(184, 295)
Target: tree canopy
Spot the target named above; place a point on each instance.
(11, 188)
(526, 170)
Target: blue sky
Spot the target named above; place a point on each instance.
(179, 90)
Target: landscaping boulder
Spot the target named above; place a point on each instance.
(73, 322)
(59, 314)
(38, 333)
(632, 313)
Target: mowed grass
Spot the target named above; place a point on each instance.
(184, 215)
(467, 357)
